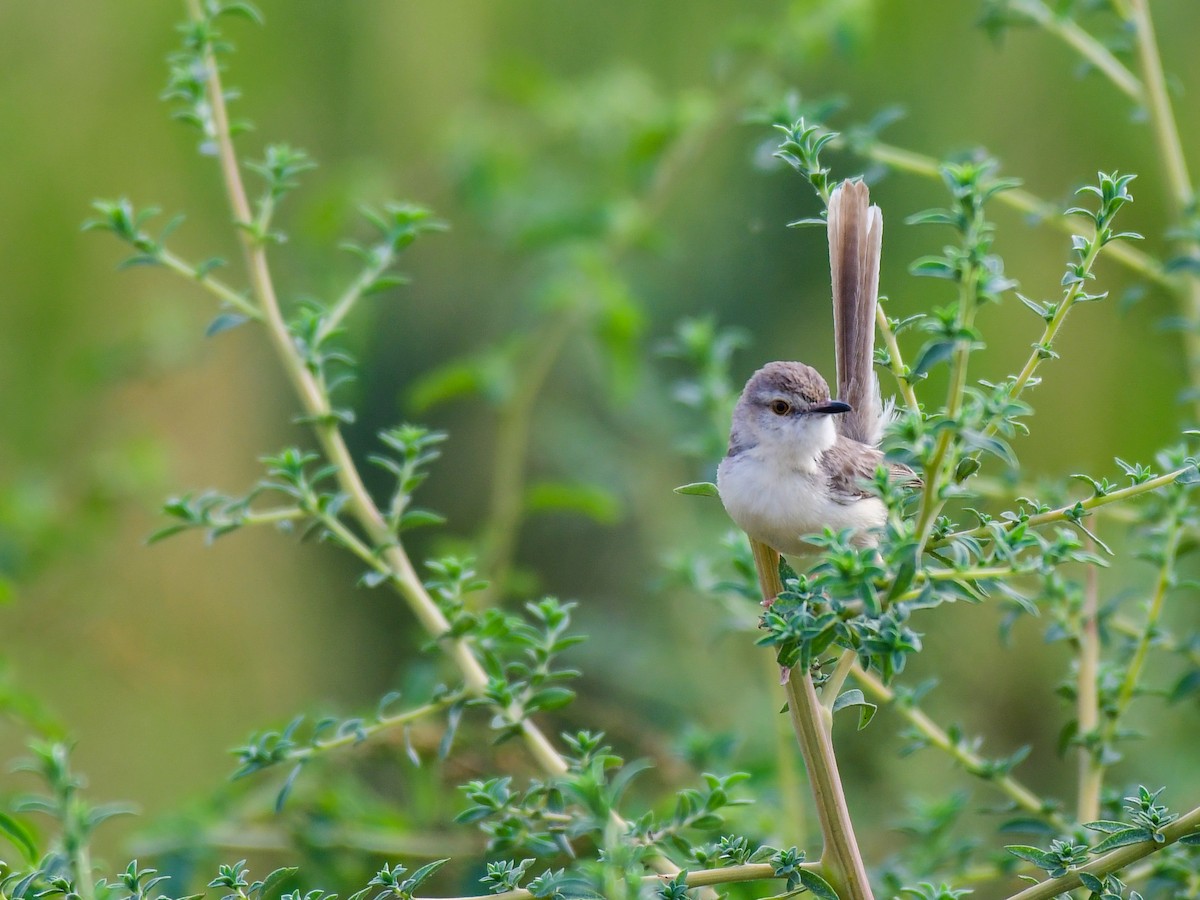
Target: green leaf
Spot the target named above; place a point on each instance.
(273, 880)
(224, 322)
(19, 836)
(866, 711)
(821, 889)
(417, 518)
(1124, 838)
(931, 354)
(698, 489)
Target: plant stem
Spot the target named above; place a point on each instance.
(1087, 701)
(1113, 861)
(1022, 796)
(316, 404)
(1179, 181)
(697, 878)
(1052, 327)
(1164, 582)
(931, 500)
(895, 360)
(225, 293)
(1068, 513)
(1071, 33)
(904, 160)
(811, 723)
(833, 686)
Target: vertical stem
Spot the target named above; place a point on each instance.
(1087, 702)
(1179, 182)
(811, 723)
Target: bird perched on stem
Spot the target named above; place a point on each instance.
(797, 457)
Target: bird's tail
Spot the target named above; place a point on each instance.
(855, 238)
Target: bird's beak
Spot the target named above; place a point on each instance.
(833, 406)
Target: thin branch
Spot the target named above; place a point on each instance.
(222, 291)
(810, 722)
(1022, 796)
(698, 878)
(1087, 700)
(1023, 201)
(1080, 40)
(1113, 861)
(1070, 513)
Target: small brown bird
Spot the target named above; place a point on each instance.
(797, 459)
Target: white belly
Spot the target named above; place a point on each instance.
(778, 505)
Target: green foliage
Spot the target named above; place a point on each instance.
(590, 822)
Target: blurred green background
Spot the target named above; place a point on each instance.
(513, 122)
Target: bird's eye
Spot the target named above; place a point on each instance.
(780, 407)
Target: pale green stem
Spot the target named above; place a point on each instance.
(811, 724)
(1052, 327)
(373, 728)
(316, 403)
(698, 878)
(1179, 181)
(1023, 201)
(1133, 670)
(1087, 701)
(273, 516)
(1066, 513)
(1022, 796)
(354, 293)
(221, 290)
(896, 361)
(833, 686)
(1113, 861)
(393, 557)
(1070, 32)
(931, 501)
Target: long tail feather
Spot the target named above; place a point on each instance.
(855, 239)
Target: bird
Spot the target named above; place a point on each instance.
(798, 458)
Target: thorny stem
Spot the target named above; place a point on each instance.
(972, 762)
(1113, 861)
(1087, 700)
(811, 724)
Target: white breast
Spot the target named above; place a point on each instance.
(777, 504)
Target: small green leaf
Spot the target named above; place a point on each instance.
(224, 322)
(19, 836)
(866, 711)
(698, 489)
(821, 889)
(273, 880)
